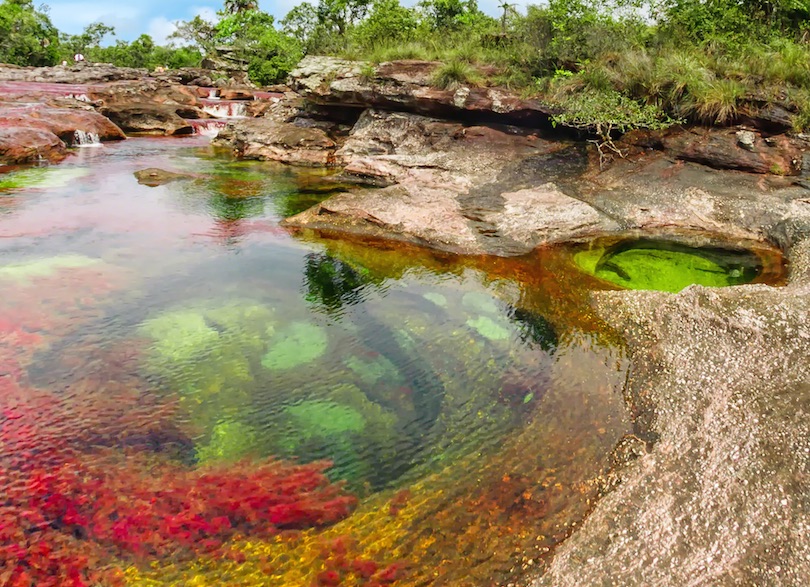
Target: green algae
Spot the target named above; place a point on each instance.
(297, 344)
(370, 372)
(324, 418)
(436, 298)
(479, 302)
(45, 267)
(42, 177)
(205, 353)
(229, 441)
(668, 267)
(488, 328)
(342, 425)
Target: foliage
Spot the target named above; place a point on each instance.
(453, 74)
(252, 38)
(387, 22)
(27, 36)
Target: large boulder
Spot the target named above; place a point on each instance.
(407, 86)
(31, 133)
(467, 189)
(63, 122)
(29, 145)
(270, 140)
(148, 118)
(720, 384)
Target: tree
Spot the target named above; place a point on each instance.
(303, 24)
(388, 21)
(27, 36)
(88, 39)
(236, 6)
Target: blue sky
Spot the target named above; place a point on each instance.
(155, 17)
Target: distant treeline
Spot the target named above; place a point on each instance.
(647, 62)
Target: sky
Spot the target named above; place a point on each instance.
(156, 17)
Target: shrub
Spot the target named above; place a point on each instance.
(453, 74)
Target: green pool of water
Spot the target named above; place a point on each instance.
(668, 266)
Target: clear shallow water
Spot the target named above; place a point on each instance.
(167, 354)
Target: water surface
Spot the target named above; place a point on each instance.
(192, 395)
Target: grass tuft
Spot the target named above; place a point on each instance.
(453, 74)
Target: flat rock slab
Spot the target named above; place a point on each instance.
(721, 382)
(465, 189)
(407, 86)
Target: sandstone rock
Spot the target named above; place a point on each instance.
(721, 383)
(464, 189)
(237, 93)
(87, 73)
(269, 140)
(719, 148)
(62, 122)
(406, 86)
(154, 177)
(29, 145)
(148, 118)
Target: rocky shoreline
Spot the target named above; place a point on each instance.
(720, 384)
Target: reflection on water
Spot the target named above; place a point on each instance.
(192, 395)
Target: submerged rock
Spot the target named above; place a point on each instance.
(154, 177)
(297, 344)
(45, 267)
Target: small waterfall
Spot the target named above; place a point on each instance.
(213, 94)
(207, 128)
(79, 97)
(85, 139)
(226, 109)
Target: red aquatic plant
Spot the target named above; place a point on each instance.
(58, 524)
(75, 496)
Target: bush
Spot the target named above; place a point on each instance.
(453, 74)
(27, 36)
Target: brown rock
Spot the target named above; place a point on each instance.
(63, 122)
(267, 139)
(406, 86)
(154, 177)
(29, 145)
(148, 118)
(236, 94)
(721, 149)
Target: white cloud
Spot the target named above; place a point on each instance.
(72, 17)
(159, 29)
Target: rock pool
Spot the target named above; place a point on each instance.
(192, 395)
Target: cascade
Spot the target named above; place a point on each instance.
(226, 109)
(86, 139)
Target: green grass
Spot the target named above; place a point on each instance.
(454, 74)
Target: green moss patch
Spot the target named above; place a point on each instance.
(665, 266)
